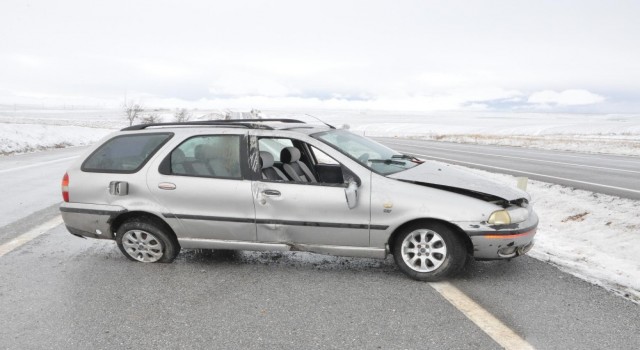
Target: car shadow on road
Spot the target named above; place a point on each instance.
(311, 261)
(284, 259)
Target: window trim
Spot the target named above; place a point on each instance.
(83, 168)
(165, 166)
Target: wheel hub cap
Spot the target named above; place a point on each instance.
(424, 250)
(142, 245)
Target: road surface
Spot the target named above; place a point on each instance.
(614, 175)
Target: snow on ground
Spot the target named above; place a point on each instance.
(24, 131)
(590, 235)
(604, 133)
(593, 133)
(21, 138)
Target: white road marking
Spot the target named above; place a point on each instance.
(519, 158)
(37, 164)
(29, 235)
(494, 328)
(528, 173)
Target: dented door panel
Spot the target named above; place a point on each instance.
(310, 214)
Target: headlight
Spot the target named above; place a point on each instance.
(505, 217)
(518, 215)
(500, 217)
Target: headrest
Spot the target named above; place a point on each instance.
(177, 156)
(266, 159)
(210, 152)
(198, 152)
(289, 154)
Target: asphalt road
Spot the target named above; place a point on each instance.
(609, 174)
(62, 292)
(31, 181)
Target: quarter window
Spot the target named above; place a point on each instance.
(323, 158)
(124, 153)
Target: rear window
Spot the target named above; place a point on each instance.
(125, 153)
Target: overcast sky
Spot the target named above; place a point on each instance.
(581, 56)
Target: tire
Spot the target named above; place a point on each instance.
(143, 240)
(429, 251)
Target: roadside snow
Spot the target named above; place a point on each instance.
(22, 138)
(590, 133)
(590, 235)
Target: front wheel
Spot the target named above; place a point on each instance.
(144, 241)
(429, 251)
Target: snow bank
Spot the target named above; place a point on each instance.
(20, 138)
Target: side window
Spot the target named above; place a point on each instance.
(125, 153)
(322, 158)
(208, 156)
(274, 146)
(298, 166)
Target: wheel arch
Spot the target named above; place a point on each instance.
(455, 228)
(122, 218)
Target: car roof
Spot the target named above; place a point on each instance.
(262, 124)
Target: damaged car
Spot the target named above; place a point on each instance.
(285, 185)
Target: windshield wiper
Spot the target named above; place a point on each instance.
(406, 156)
(386, 161)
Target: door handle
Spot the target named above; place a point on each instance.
(167, 186)
(271, 193)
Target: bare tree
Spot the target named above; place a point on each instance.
(152, 118)
(182, 115)
(131, 111)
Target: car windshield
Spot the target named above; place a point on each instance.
(367, 152)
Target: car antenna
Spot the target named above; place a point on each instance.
(318, 119)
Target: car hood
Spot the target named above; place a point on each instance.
(454, 178)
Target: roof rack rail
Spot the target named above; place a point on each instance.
(245, 123)
(282, 120)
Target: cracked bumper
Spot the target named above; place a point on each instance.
(89, 220)
(502, 241)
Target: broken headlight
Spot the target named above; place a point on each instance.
(505, 217)
(500, 217)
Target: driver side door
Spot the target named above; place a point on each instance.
(311, 213)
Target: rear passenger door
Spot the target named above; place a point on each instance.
(201, 183)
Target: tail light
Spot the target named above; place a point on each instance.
(65, 187)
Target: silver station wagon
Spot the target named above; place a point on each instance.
(285, 185)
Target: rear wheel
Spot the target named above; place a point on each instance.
(143, 240)
(429, 251)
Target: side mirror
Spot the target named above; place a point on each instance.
(351, 193)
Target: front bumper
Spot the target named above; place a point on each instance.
(90, 220)
(502, 241)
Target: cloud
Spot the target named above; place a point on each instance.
(401, 55)
(239, 84)
(573, 97)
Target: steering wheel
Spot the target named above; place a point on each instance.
(364, 157)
